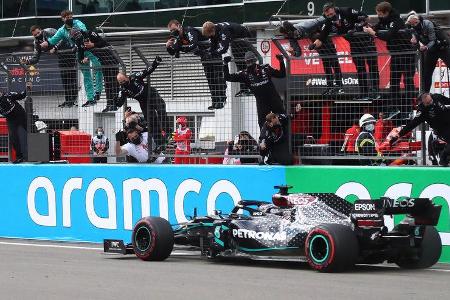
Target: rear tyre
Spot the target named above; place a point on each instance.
(152, 239)
(428, 254)
(331, 248)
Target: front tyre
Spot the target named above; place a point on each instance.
(428, 253)
(331, 248)
(152, 239)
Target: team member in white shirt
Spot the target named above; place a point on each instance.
(137, 147)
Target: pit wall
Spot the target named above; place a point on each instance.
(93, 202)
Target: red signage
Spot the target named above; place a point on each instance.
(311, 64)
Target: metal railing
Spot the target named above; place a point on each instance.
(188, 85)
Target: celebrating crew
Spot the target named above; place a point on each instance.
(259, 79)
(435, 44)
(391, 28)
(190, 40)
(63, 33)
(349, 22)
(134, 86)
(435, 110)
(226, 34)
(108, 58)
(66, 61)
(16, 119)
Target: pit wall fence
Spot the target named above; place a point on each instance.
(90, 202)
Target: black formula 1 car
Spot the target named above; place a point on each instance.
(328, 232)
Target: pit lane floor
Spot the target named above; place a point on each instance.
(50, 270)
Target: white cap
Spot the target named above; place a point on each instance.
(366, 118)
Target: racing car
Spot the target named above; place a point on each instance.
(327, 231)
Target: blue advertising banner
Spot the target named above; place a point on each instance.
(93, 202)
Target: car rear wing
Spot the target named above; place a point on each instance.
(423, 210)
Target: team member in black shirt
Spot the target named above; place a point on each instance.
(190, 40)
(226, 34)
(66, 61)
(274, 140)
(16, 119)
(435, 44)
(108, 58)
(259, 79)
(134, 86)
(435, 110)
(349, 22)
(391, 28)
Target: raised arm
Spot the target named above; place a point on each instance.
(149, 70)
(281, 73)
(236, 77)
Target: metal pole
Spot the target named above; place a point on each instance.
(8, 89)
(288, 94)
(147, 105)
(427, 7)
(423, 126)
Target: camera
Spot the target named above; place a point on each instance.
(175, 34)
(131, 125)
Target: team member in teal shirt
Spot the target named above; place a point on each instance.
(63, 33)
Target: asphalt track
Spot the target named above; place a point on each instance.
(48, 270)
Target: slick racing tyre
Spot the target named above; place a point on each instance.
(152, 238)
(429, 251)
(331, 248)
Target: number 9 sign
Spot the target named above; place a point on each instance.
(310, 7)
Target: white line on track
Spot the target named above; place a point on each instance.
(79, 247)
(395, 267)
(175, 253)
(52, 246)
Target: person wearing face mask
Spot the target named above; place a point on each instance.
(243, 146)
(226, 34)
(137, 147)
(182, 136)
(434, 43)
(66, 62)
(134, 86)
(259, 79)
(435, 110)
(391, 28)
(274, 140)
(188, 39)
(325, 48)
(108, 57)
(99, 145)
(365, 144)
(347, 21)
(89, 60)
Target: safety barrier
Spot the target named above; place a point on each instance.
(324, 120)
(91, 202)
